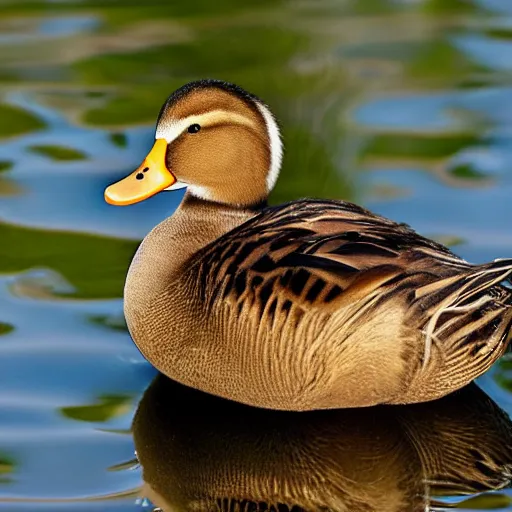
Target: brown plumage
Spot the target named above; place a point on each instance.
(202, 453)
(308, 305)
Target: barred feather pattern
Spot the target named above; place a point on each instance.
(328, 270)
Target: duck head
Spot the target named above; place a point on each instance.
(216, 139)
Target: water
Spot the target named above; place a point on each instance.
(404, 106)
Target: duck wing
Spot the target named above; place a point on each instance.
(314, 253)
(368, 278)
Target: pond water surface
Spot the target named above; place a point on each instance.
(404, 106)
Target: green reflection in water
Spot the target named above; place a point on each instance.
(503, 375)
(449, 6)
(309, 166)
(16, 121)
(150, 75)
(96, 266)
(109, 406)
(504, 33)
(412, 145)
(59, 153)
(125, 11)
(440, 61)
(5, 165)
(494, 501)
(119, 139)
(467, 172)
(6, 468)
(5, 328)
(448, 240)
(117, 323)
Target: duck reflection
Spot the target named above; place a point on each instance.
(203, 453)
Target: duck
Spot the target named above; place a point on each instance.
(197, 452)
(312, 304)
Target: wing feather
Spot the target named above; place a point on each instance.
(298, 276)
(315, 253)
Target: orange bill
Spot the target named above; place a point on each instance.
(150, 178)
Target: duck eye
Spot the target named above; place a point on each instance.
(194, 128)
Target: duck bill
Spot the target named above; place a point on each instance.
(150, 178)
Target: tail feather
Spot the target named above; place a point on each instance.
(468, 314)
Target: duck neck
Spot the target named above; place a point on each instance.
(163, 253)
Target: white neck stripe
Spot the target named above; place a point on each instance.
(276, 145)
